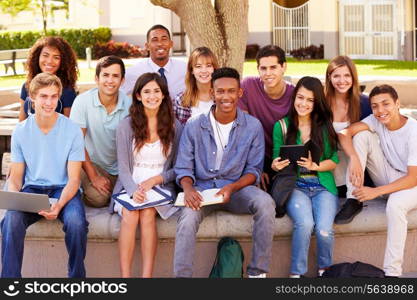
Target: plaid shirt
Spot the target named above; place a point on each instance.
(182, 113)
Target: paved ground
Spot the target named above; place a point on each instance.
(409, 275)
(406, 275)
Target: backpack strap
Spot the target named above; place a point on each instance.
(283, 128)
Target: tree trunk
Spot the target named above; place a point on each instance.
(222, 27)
(44, 15)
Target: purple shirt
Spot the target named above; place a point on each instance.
(258, 104)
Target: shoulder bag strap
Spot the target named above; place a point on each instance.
(283, 129)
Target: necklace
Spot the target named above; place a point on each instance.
(219, 134)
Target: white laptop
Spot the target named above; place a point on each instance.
(27, 202)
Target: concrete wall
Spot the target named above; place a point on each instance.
(405, 90)
(82, 14)
(408, 47)
(409, 40)
(85, 14)
(28, 20)
(260, 22)
(132, 24)
(324, 26)
(130, 21)
(363, 239)
(49, 259)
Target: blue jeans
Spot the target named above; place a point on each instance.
(248, 200)
(310, 207)
(15, 223)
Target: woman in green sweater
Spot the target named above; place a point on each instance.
(313, 203)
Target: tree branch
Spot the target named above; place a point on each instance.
(170, 4)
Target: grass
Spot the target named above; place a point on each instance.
(365, 67)
(295, 67)
(86, 75)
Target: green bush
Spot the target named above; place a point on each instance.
(79, 39)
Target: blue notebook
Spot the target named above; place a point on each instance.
(154, 197)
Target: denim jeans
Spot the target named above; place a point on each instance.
(15, 223)
(249, 200)
(310, 207)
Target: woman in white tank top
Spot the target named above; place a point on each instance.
(348, 105)
(146, 146)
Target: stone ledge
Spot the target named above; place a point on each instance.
(105, 227)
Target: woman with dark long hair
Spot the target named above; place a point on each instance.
(196, 98)
(147, 142)
(51, 54)
(313, 202)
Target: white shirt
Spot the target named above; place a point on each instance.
(148, 162)
(203, 107)
(221, 136)
(339, 126)
(399, 146)
(339, 173)
(175, 70)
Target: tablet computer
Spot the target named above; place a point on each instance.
(27, 202)
(292, 152)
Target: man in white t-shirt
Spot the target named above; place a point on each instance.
(172, 70)
(385, 144)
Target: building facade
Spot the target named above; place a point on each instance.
(367, 29)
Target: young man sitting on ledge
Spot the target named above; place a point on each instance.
(47, 152)
(223, 149)
(385, 144)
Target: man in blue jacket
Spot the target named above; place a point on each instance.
(223, 149)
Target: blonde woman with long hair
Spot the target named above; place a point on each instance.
(348, 106)
(196, 99)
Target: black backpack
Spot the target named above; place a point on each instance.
(229, 260)
(350, 270)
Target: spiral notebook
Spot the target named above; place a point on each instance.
(156, 196)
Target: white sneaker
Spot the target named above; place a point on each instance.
(262, 275)
(295, 276)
